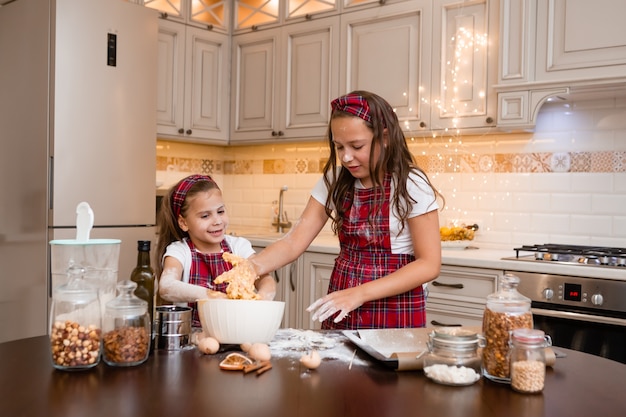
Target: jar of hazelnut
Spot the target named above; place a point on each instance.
(75, 323)
(505, 311)
(126, 328)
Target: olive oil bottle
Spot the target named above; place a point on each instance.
(144, 276)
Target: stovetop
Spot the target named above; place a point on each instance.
(597, 256)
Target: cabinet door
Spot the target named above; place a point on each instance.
(387, 51)
(465, 64)
(309, 82)
(580, 39)
(288, 289)
(254, 86)
(206, 85)
(317, 269)
(170, 78)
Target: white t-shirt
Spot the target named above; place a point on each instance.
(417, 188)
(180, 251)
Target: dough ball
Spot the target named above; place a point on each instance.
(311, 360)
(260, 352)
(245, 347)
(208, 345)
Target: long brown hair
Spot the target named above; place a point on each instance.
(395, 158)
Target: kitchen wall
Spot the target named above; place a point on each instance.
(563, 183)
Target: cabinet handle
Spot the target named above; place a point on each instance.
(209, 26)
(438, 323)
(254, 27)
(292, 273)
(276, 278)
(181, 130)
(308, 17)
(279, 133)
(188, 131)
(439, 284)
(422, 124)
(163, 15)
(382, 2)
(489, 120)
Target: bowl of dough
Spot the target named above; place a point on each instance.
(237, 321)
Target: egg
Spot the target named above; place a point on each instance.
(208, 345)
(312, 360)
(245, 347)
(260, 352)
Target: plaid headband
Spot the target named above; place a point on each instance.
(353, 104)
(178, 197)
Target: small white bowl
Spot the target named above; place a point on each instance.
(240, 321)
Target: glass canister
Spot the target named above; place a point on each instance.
(126, 328)
(75, 324)
(452, 357)
(505, 311)
(528, 359)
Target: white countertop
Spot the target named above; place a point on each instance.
(477, 258)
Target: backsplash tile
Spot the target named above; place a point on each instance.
(563, 183)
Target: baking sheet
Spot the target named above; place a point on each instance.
(396, 348)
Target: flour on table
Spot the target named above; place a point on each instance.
(330, 346)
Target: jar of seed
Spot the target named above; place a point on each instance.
(528, 360)
(505, 311)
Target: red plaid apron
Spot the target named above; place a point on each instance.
(365, 255)
(205, 267)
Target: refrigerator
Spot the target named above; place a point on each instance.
(77, 123)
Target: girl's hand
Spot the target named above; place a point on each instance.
(215, 294)
(343, 301)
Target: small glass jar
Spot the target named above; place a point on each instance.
(505, 311)
(452, 357)
(528, 360)
(126, 328)
(75, 324)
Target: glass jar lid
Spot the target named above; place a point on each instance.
(507, 298)
(126, 303)
(529, 336)
(455, 339)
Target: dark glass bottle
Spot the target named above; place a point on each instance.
(144, 276)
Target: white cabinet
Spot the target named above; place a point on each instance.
(386, 50)
(580, 39)
(254, 14)
(458, 295)
(316, 271)
(564, 48)
(193, 83)
(212, 14)
(464, 57)
(288, 289)
(434, 62)
(283, 81)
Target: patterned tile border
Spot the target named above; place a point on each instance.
(539, 162)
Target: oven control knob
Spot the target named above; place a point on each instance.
(548, 293)
(597, 299)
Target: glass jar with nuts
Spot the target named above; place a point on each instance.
(75, 324)
(126, 328)
(505, 311)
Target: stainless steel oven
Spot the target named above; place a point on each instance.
(578, 312)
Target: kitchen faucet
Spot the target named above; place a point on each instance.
(281, 219)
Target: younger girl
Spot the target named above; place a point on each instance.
(192, 237)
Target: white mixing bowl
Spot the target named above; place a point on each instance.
(240, 321)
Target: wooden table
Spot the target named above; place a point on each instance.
(187, 383)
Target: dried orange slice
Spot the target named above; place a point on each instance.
(235, 362)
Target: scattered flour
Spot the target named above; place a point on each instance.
(331, 346)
